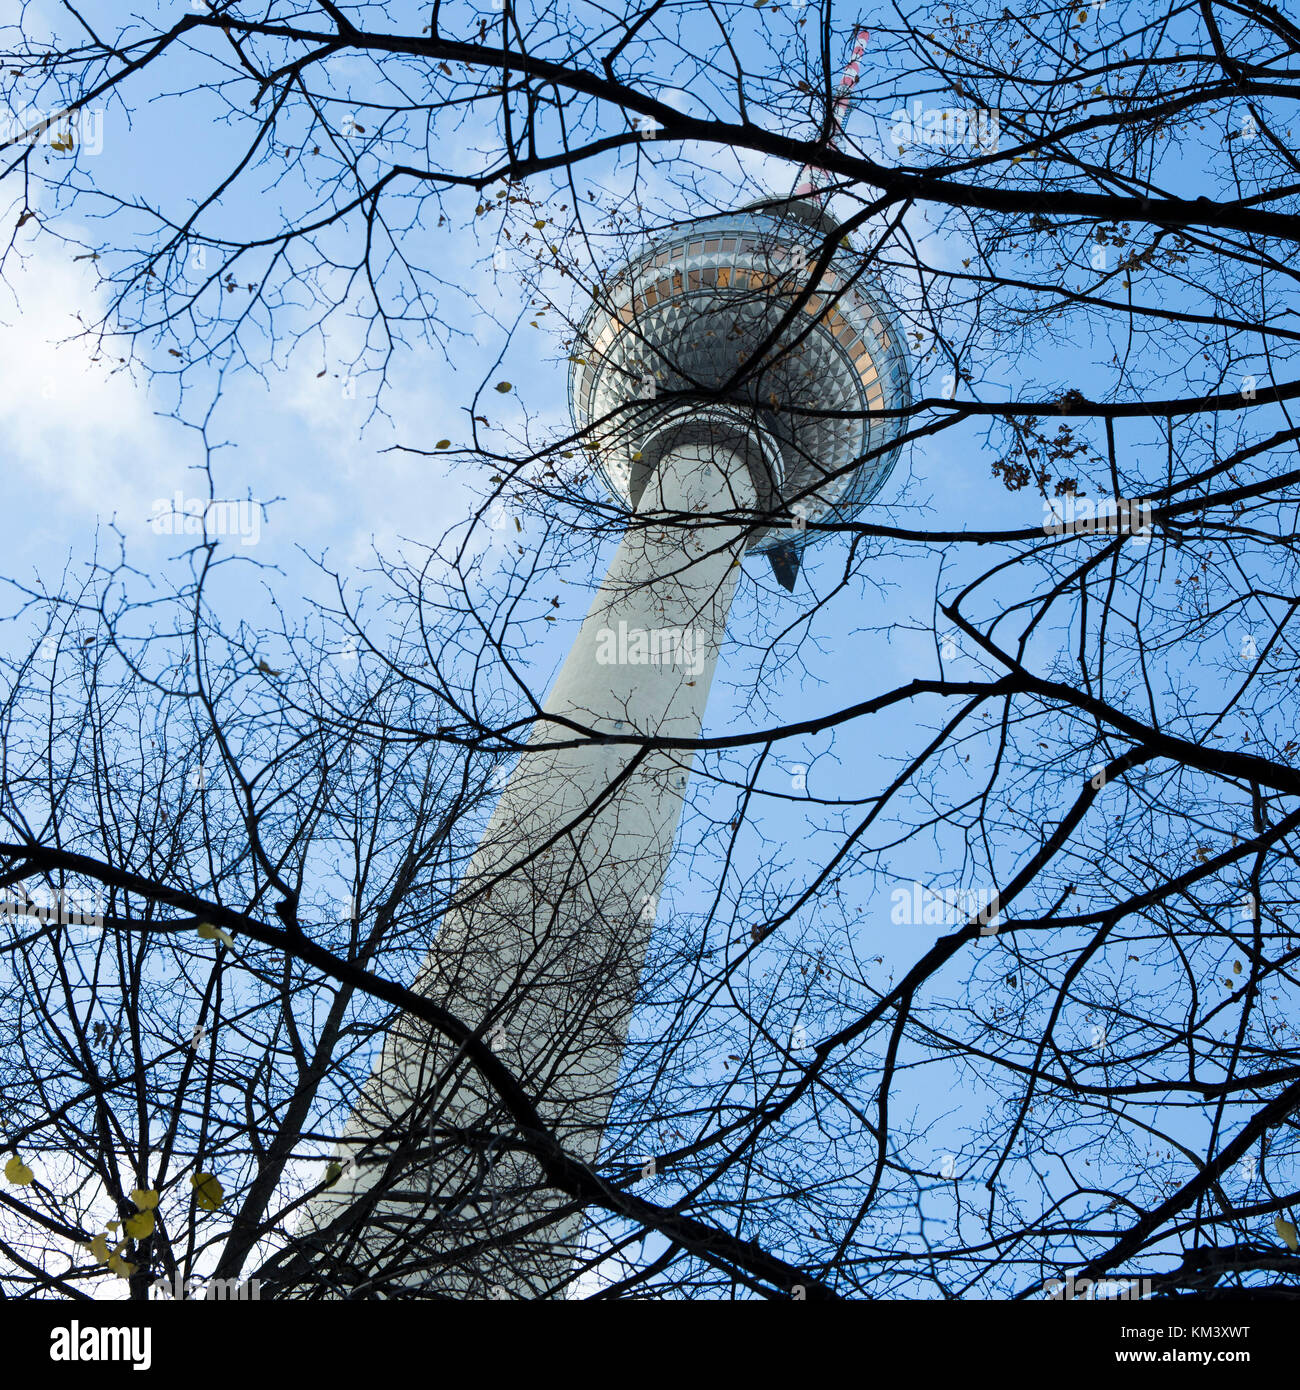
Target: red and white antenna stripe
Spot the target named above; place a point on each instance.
(812, 177)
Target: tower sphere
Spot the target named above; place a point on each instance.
(685, 337)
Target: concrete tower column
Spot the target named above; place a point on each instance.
(543, 946)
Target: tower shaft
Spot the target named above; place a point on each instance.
(543, 947)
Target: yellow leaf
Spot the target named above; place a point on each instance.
(503, 387)
(208, 1192)
(333, 1172)
(124, 1269)
(18, 1172)
(1286, 1229)
(139, 1225)
(1236, 967)
(99, 1248)
(443, 444)
(144, 1198)
(540, 223)
(211, 933)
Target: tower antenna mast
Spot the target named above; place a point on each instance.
(812, 180)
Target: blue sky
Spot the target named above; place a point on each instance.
(84, 447)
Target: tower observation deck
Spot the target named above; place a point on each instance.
(726, 316)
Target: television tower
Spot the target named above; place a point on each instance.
(733, 401)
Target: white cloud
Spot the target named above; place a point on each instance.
(79, 441)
